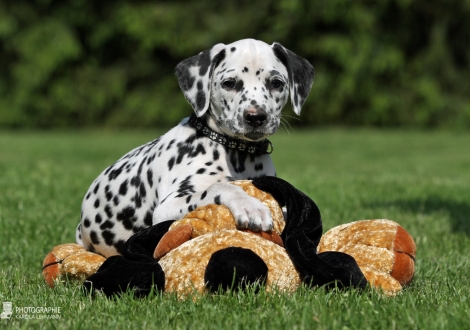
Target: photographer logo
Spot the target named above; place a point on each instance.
(7, 310)
(30, 312)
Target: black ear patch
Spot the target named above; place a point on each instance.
(194, 76)
(301, 75)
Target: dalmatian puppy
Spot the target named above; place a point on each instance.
(237, 92)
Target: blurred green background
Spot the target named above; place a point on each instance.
(85, 63)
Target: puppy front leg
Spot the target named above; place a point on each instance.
(249, 212)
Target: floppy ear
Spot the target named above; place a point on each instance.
(301, 74)
(195, 74)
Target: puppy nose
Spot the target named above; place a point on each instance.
(255, 117)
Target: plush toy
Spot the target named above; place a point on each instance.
(205, 251)
(384, 251)
(70, 262)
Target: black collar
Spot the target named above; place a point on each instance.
(262, 147)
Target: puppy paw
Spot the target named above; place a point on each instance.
(250, 213)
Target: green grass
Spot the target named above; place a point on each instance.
(419, 179)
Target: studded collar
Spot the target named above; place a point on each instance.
(261, 147)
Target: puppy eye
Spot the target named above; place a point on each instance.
(229, 83)
(276, 83)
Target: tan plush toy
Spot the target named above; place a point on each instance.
(202, 250)
(184, 251)
(70, 261)
(384, 251)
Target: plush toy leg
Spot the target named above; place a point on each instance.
(234, 268)
(172, 239)
(70, 262)
(384, 251)
(136, 269)
(126, 274)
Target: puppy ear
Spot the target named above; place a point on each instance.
(301, 75)
(195, 74)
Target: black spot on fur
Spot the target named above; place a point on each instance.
(239, 85)
(170, 144)
(204, 194)
(233, 49)
(191, 138)
(185, 79)
(238, 161)
(98, 218)
(95, 190)
(185, 187)
(123, 188)
(142, 191)
(148, 219)
(188, 199)
(217, 199)
(201, 171)
(109, 196)
(127, 217)
(97, 203)
(107, 225)
(115, 173)
(188, 150)
(116, 200)
(200, 96)
(215, 155)
(151, 159)
(94, 237)
(108, 211)
(86, 223)
(135, 181)
(108, 237)
(204, 62)
(171, 162)
(259, 167)
(137, 200)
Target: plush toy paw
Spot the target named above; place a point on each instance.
(70, 261)
(384, 251)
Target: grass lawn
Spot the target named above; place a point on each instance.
(419, 179)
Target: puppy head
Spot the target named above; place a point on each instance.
(245, 85)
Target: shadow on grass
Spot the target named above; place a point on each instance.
(459, 212)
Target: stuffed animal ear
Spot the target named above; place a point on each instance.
(195, 74)
(301, 75)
